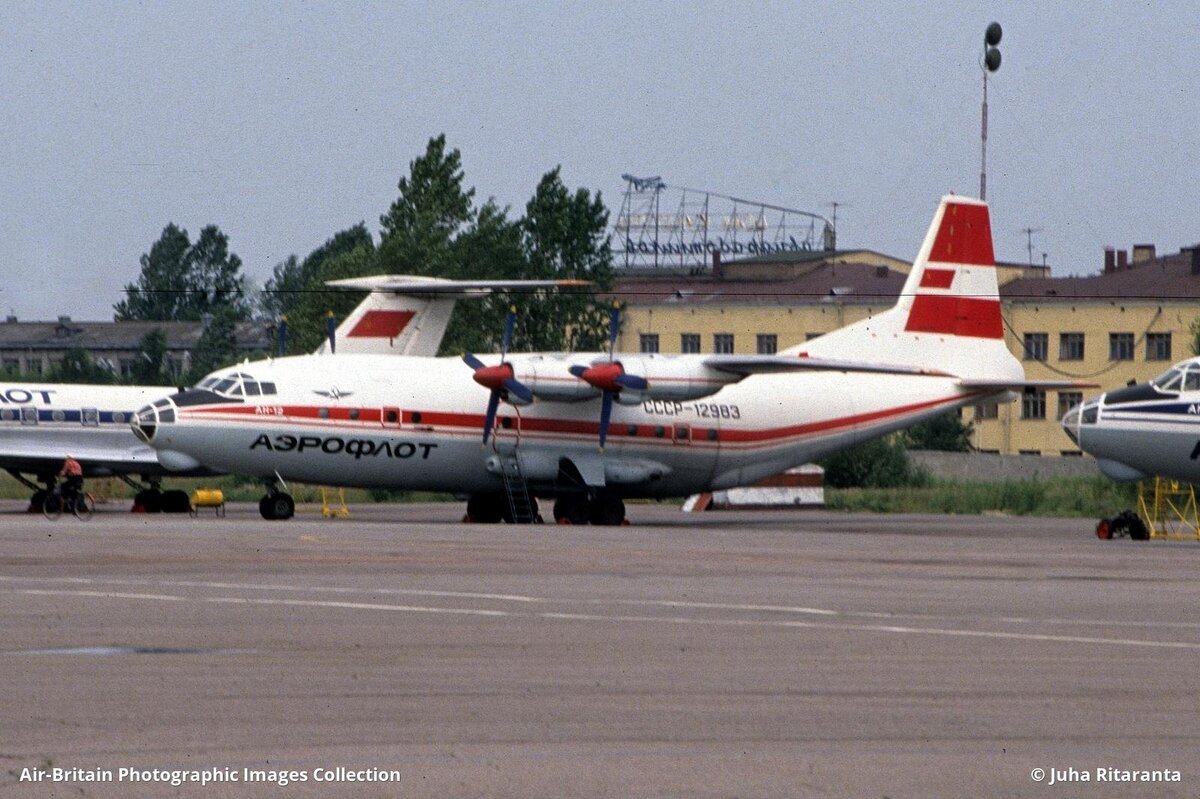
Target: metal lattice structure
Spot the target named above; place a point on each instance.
(660, 227)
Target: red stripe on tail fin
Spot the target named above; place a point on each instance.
(949, 315)
(381, 324)
(965, 236)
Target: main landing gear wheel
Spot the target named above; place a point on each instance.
(486, 508)
(606, 510)
(571, 509)
(277, 506)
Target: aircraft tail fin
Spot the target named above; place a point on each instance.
(948, 313)
(408, 314)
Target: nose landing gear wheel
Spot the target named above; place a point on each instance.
(277, 506)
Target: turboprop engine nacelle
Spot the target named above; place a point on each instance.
(669, 378)
(549, 378)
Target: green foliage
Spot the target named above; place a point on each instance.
(433, 207)
(565, 238)
(217, 346)
(945, 432)
(292, 277)
(1061, 496)
(77, 366)
(307, 319)
(150, 368)
(881, 463)
(184, 281)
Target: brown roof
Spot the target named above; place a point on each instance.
(1166, 278)
(858, 284)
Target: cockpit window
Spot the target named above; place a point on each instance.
(1191, 382)
(237, 384)
(1169, 380)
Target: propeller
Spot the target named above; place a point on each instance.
(609, 377)
(500, 378)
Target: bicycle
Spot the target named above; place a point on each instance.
(81, 504)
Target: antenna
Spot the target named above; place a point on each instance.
(831, 226)
(1029, 231)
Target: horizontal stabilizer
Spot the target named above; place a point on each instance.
(774, 364)
(1019, 385)
(423, 286)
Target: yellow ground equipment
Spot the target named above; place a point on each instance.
(208, 498)
(332, 511)
(1168, 509)
(1165, 509)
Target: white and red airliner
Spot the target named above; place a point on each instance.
(591, 429)
(40, 423)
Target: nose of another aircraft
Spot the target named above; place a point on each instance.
(146, 421)
(1076, 419)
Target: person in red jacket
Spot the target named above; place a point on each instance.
(73, 472)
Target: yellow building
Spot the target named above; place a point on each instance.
(1128, 323)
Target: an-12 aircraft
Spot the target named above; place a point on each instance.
(40, 423)
(592, 429)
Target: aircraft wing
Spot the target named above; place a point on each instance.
(422, 285)
(1019, 385)
(775, 364)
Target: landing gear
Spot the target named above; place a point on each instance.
(277, 505)
(486, 508)
(604, 509)
(1126, 523)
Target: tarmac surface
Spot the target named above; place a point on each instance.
(734, 654)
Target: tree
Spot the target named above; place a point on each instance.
(307, 319)
(292, 277)
(433, 207)
(565, 237)
(150, 366)
(880, 463)
(184, 281)
(77, 366)
(217, 346)
(946, 432)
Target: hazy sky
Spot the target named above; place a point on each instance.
(285, 122)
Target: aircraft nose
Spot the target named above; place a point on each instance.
(1079, 417)
(145, 422)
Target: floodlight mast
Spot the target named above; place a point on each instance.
(990, 63)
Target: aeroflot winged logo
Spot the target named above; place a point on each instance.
(334, 393)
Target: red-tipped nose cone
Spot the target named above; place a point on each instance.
(493, 377)
(603, 376)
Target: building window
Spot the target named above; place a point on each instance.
(811, 336)
(649, 342)
(689, 342)
(1120, 346)
(1158, 346)
(988, 410)
(1036, 346)
(1033, 404)
(768, 344)
(12, 366)
(1070, 346)
(35, 366)
(723, 343)
(1068, 400)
